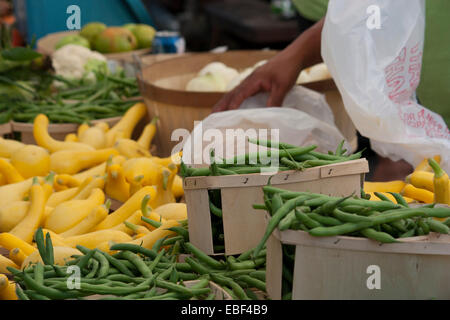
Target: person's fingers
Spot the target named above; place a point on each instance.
(277, 94)
(222, 104)
(249, 88)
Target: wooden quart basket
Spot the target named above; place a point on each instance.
(341, 267)
(162, 84)
(243, 225)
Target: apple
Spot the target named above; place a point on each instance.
(92, 30)
(115, 39)
(73, 39)
(144, 35)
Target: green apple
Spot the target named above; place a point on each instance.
(92, 30)
(130, 26)
(115, 39)
(73, 39)
(144, 35)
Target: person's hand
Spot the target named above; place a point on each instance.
(277, 77)
(280, 73)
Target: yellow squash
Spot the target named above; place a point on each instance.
(116, 186)
(440, 183)
(5, 262)
(71, 137)
(74, 161)
(177, 187)
(31, 161)
(8, 147)
(127, 209)
(389, 186)
(17, 256)
(142, 170)
(10, 241)
(98, 170)
(135, 218)
(421, 179)
(131, 149)
(124, 128)
(424, 166)
(149, 240)
(102, 125)
(69, 213)
(43, 139)
(57, 239)
(172, 211)
(93, 239)
(10, 172)
(86, 187)
(61, 196)
(81, 129)
(97, 215)
(25, 229)
(14, 192)
(164, 187)
(418, 194)
(65, 181)
(13, 213)
(7, 289)
(94, 136)
(147, 135)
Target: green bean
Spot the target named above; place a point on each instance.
(306, 220)
(249, 264)
(241, 159)
(237, 289)
(437, 226)
(137, 262)
(136, 249)
(338, 230)
(259, 274)
(409, 233)
(180, 289)
(39, 273)
(173, 276)
(216, 211)
(116, 263)
(329, 206)
(156, 260)
(253, 282)
(424, 225)
(181, 231)
(35, 296)
(399, 225)
(84, 260)
(276, 218)
(166, 273)
(104, 263)
(399, 198)
(204, 257)
(158, 243)
(328, 221)
(378, 236)
(286, 222)
(20, 293)
(358, 209)
(447, 222)
(48, 292)
(197, 266)
(349, 217)
(94, 269)
(171, 241)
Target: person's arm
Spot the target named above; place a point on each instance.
(280, 73)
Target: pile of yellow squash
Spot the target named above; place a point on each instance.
(66, 188)
(419, 186)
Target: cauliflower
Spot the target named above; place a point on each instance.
(77, 62)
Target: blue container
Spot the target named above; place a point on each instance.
(41, 17)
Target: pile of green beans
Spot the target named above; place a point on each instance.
(290, 157)
(111, 87)
(137, 273)
(322, 215)
(61, 112)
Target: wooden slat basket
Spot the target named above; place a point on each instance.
(343, 267)
(243, 225)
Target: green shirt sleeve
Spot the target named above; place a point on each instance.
(434, 87)
(313, 10)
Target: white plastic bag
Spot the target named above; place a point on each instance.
(377, 71)
(304, 118)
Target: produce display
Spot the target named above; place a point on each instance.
(99, 37)
(290, 157)
(216, 76)
(427, 184)
(133, 272)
